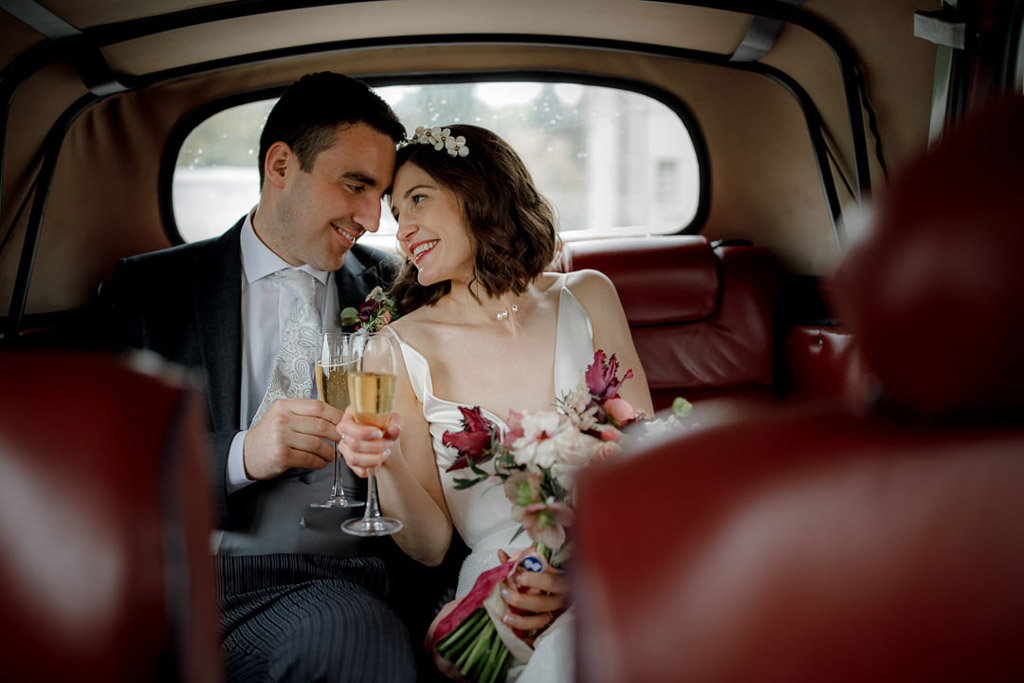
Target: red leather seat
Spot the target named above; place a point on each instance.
(702, 318)
(883, 543)
(105, 566)
(823, 363)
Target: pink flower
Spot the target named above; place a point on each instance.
(611, 434)
(619, 410)
(473, 442)
(515, 428)
(600, 377)
(546, 522)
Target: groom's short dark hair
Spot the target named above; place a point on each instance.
(307, 116)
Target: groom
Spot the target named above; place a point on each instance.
(298, 596)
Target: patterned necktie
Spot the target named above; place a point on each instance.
(293, 368)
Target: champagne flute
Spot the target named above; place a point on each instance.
(371, 387)
(336, 359)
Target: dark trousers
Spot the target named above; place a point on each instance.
(310, 618)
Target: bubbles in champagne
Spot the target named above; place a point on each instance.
(332, 384)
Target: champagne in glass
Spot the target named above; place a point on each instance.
(372, 394)
(336, 359)
(371, 387)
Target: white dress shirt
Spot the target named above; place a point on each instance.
(266, 307)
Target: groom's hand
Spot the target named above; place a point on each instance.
(294, 432)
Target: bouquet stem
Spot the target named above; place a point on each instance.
(461, 636)
(476, 649)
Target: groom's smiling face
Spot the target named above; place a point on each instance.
(432, 230)
(316, 216)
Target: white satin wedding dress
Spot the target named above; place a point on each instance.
(482, 514)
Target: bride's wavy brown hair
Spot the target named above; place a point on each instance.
(511, 225)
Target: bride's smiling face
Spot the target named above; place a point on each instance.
(431, 228)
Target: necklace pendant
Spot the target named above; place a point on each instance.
(503, 315)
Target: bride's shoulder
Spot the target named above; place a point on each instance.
(412, 326)
(585, 279)
(588, 284)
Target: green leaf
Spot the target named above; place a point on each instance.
(466, 483)
(349, 316)
(681, 407)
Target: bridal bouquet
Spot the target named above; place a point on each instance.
(536, 461)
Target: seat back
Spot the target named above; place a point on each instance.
(105, 568)
(702, 317)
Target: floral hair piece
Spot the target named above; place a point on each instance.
(440, 139)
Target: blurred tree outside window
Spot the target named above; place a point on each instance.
(611, 161)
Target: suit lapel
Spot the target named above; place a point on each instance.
(355, 279)
(217, 296)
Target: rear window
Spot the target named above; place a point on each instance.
(612, 161)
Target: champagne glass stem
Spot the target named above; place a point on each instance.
(372, 506)
(336, 490)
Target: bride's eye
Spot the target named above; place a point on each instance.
(417, 198)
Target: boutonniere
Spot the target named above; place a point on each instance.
(377, 311)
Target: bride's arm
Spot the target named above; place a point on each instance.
(611, 332)
(407, 478)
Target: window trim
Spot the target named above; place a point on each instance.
(181, 130)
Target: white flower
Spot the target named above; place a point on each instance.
(578, 404)
(659, 426)
(456, 146)
(440, 139)
(438, 136)
(538, 444)
(550, 439)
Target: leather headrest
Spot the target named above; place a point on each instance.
(666, 279)
(936, 292)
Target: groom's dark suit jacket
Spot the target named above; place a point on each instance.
(184, 303)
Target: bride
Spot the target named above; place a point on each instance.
(483, 325)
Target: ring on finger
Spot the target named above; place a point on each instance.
(343, 437)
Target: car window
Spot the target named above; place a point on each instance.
(612, 161)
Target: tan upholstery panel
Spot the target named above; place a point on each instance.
(648, 22)
(105, 192)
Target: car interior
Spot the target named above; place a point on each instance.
(808, 209)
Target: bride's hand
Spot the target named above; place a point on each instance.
(364, 446)
(540, 596)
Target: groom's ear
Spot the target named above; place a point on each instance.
(279, 162)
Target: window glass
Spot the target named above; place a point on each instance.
(611, 161)
(1020, 59)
